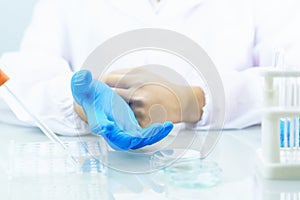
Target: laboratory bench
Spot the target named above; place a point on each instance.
(234, 153)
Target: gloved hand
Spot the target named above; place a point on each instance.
(110, 116)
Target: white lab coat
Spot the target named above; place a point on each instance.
(237, 34)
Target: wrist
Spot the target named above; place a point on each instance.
(193, 103)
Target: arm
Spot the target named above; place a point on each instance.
(276, 29)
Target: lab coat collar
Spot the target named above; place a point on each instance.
(149, 9)
(134, 8)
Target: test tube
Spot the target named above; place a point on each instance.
(44, 128)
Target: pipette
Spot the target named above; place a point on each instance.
(44, 128)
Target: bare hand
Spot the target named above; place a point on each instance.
(155, 99)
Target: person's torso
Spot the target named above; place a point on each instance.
(224, 29)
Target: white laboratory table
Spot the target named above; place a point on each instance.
(235, 154)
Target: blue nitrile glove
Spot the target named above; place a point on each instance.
(110, 116)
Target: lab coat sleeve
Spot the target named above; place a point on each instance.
(40, 72)
(241, 102)
(43, 90)
(276, 31)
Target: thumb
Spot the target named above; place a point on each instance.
(80, 83)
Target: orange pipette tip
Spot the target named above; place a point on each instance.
(3, 77)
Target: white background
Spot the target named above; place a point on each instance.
(14, 18)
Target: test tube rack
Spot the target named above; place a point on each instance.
(279, 155)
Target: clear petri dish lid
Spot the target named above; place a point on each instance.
(164, 158)
(186, 168)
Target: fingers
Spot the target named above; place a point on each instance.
(154, 134)
(168, 126)
(98, 122)
(85, 92)
(79, 85)
(122, 140)
(124, 93)
(124, 81)
(123, 71)
(81, 80)
(125, 78)
(137, 104)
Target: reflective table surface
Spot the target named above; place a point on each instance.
(128, 175)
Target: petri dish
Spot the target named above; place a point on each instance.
(186, 168)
